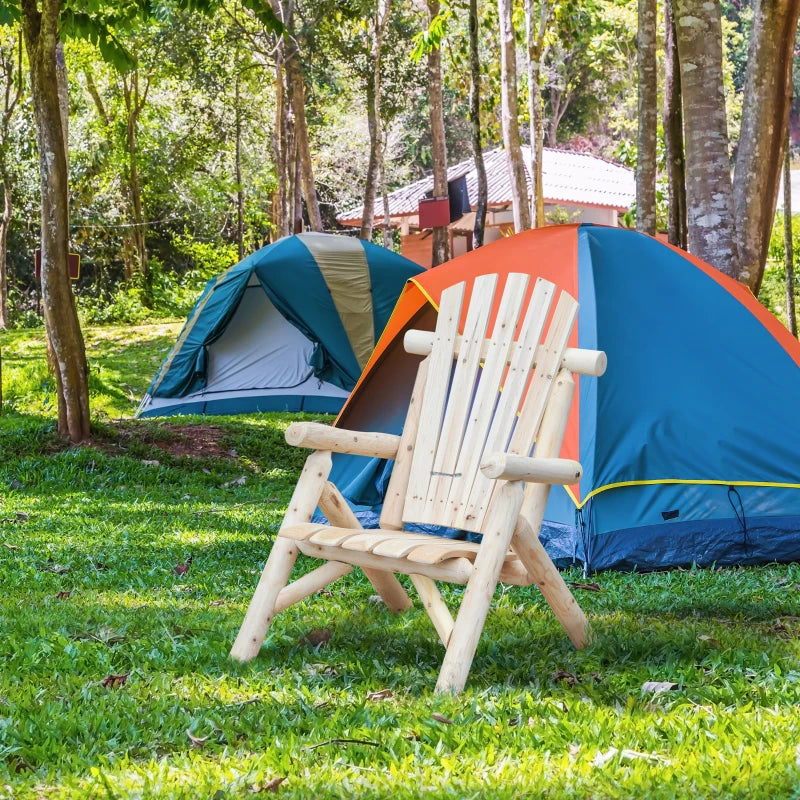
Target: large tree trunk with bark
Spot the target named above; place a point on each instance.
(510, 117)
(673, 134)
(648, 118)
(60, 315)
(535, 37)
(441, 235)
(765, 116)
(475, 121)
(708, 178)
(788, 242)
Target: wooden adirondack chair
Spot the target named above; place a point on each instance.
(463, 461)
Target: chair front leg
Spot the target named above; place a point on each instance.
(480, 589)
(281, 558)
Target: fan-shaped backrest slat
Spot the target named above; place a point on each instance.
(485, 403)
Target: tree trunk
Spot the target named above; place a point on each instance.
(294, 74)
(11, 97)
(239, 186)
(134, 102)
(368, 215)
(708, 179)
(510, 117)
(765, 116)
(648, 118)
(387, 217)
(791, 316)
(673, 134)
(375, 166)
(475, 121)
(4, 226)
(535, 46)
(441, 235)
(60, 315)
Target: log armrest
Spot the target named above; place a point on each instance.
(323, 437)
(504, 466)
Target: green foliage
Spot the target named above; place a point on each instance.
(538, 719)
(773, 287)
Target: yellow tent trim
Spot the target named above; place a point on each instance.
(622, 484)
(425, 294)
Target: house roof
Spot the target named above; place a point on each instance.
(568, 178)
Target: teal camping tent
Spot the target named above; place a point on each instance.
(288, 329)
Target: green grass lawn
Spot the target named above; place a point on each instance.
(115, 681)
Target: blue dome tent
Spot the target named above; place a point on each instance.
(287, 329)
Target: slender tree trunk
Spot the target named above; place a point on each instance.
(765, 117)
(239, 186)
(134, 102)
(559, 102)
(709, 191)
(368, 215)
(4, 226)
(673, 134)
(11, 97)
(648, 117)
(387, 217)
(791, 316)
(475, 120)
(294, 73)
(535, 37)
(374, 126)
(61, 318)
(441, 235)
(510, 117)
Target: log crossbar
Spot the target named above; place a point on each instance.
(578, 361)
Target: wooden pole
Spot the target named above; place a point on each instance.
(480, 590)
(526, 536)
(281, 558)
(340, 515)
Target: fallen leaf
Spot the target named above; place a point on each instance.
(151, 462)
(317, 638)
(233, 452)
(112, 681)
(709, 640)
(215, 603)
(10, 546)
(63, 595)
(206, 471)
(574, 749)
(240, 481)
(656, 687)
(383, 694)
(20, 765)
(519, 609)
(563, 675)
(269, 786)
(589, 587)
(182, 569)
(376, 599)
(197, 741)
(782, 582)
(442, 719)
(22, 516)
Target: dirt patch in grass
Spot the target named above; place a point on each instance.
(176, 440)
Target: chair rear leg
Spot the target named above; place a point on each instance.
(480, 590)
(281, 559)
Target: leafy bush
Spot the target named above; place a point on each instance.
(773, 288)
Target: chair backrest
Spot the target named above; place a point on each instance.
(484, 393)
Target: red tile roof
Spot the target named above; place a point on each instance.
(569, 178)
